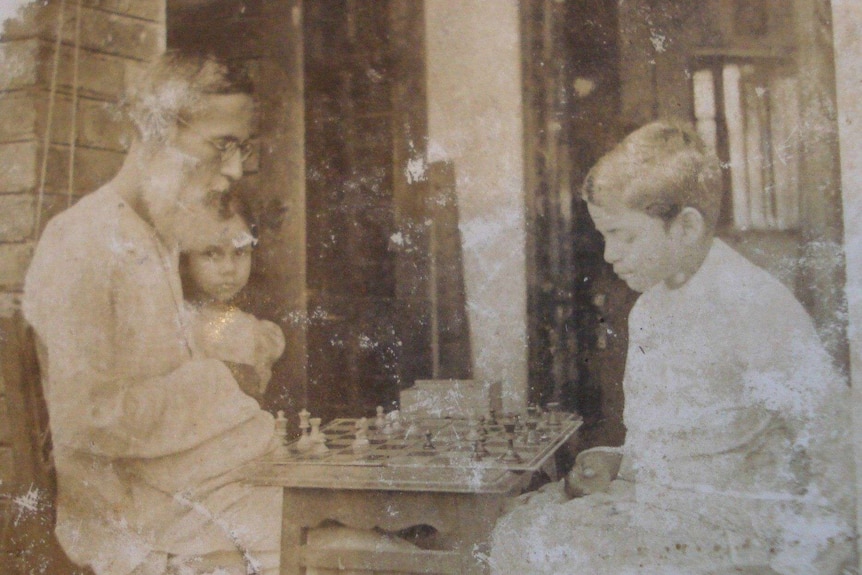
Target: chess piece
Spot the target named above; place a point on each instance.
(492, 417)
(381, 420)
(483, 450)
(395, 418)
(428, 445)
(304, 443)
(477, 451)
(554, 420)
(317, 438)
(511, 456)
(281, 427)
(542, 425)
(361, 442)
(316, 435)
(518, 426)
(522, 428)
(532, 434)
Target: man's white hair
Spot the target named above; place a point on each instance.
(173, 87)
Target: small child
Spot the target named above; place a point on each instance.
(213, 274)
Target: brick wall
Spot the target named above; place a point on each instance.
(114, 39)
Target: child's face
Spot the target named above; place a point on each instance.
(641, 248)
(221, 269)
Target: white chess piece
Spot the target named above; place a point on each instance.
(381, 420)
(317, 438)
(304, 443)
(281, 427)
(361, 442)
(395, 417)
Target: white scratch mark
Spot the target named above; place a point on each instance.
(27, 503)
(415, 171)
(659, 41)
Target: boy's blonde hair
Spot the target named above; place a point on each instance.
(659, 169)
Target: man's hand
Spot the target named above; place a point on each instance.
(247, 378)
(593, 471)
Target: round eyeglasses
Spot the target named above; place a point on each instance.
(226, 146)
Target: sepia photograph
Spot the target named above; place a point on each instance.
(430, 287)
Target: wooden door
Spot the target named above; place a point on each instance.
(367, 253)
(578, 309)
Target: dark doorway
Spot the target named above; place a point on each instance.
(344, 257)
(368, 322)
(577, 308)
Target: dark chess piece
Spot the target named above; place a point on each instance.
(554, 419)
(532, 434)
(428, 445)
(511, 456)
(483, 438)
(483, 451)
(477, 450)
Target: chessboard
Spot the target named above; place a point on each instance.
(436, 443)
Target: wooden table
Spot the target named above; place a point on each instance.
(460, 497)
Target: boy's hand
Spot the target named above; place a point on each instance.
(593, 471)
(247, 378)
(553, 492)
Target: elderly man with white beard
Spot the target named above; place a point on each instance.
(148, 437)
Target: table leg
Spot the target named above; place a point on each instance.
(293, 535)
(465, 520)
(477, 516)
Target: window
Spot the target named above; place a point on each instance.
(748, 111)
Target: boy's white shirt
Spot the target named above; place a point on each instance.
(725, 379)
(726, 382)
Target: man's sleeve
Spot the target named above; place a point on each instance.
(94, 407)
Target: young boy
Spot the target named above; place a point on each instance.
(737, 448)
(214, 272)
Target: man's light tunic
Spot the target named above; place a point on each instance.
(147, 439)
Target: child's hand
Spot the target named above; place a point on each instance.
(268, 347)
(269, 342)
(228, 335)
